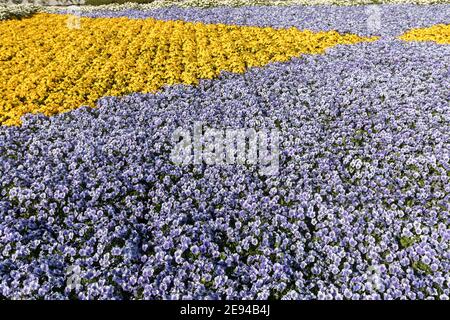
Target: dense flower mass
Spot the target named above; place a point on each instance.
(363, 190)
(28, 7)
(93, 207)
(362, 20)
(42, 5)
(50, 68)
(438, 33)
(244, 3)
(17, 11)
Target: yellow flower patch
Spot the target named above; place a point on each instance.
(439, 33)
(46, 67)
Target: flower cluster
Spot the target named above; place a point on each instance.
(360, 208)
(49, 68)
(10, 10)
(17, 11)
(438, 33)
(394, 19)
(251, 3)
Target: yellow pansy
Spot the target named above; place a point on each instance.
(46, 67)
(439, 33)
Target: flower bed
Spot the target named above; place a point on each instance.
(77, 67)
(359, 208)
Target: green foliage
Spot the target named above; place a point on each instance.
(406, 242)
(420, 266)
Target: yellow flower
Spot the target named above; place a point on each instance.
(48, 68)
(439, 33)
